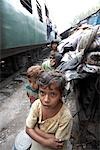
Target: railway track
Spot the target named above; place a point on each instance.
(15, 66)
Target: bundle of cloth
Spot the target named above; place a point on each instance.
(81, 53)
(81, 60)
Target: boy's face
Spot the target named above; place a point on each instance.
(50, 95)
(54, 46)
(52, 62)
(33, 84)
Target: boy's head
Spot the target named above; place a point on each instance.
(55, 58)
(54, 45)
(33, 73)
(49, 79)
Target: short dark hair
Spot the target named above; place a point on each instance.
(47, 78)
(55, 42)
(34, 71)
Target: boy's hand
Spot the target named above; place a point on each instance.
(54, 143)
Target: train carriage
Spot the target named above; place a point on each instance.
(23, 23)
(23, 32)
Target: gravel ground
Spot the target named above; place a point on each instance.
(14, 107)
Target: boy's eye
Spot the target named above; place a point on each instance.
(42, 93)
(53, 94)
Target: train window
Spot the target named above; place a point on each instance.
(27, 5)
(46, 11)
(39, 10)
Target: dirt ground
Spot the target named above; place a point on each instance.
(13, 113)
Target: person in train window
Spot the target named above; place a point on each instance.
(49, 122)
(52, 62)
(49, 27)
(32, 87)
(56, 31)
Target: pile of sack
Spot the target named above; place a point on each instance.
(81, 53)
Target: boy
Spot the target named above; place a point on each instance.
(52, 62)
(33, 73)
(49, 122)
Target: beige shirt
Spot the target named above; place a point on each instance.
(60, 124)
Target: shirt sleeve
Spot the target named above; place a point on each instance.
(33, 115)
(27, 89)
(44, 65)
(65, 126)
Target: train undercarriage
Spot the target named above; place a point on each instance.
(28, 56)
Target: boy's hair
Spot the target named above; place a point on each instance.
(55, 41)
(34, 71)
(48, 78)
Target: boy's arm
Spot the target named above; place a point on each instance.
(43, 134)
(48, 142)
(31, 122)
(27, 94)
(31, 132)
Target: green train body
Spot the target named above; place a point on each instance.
(21, 27)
